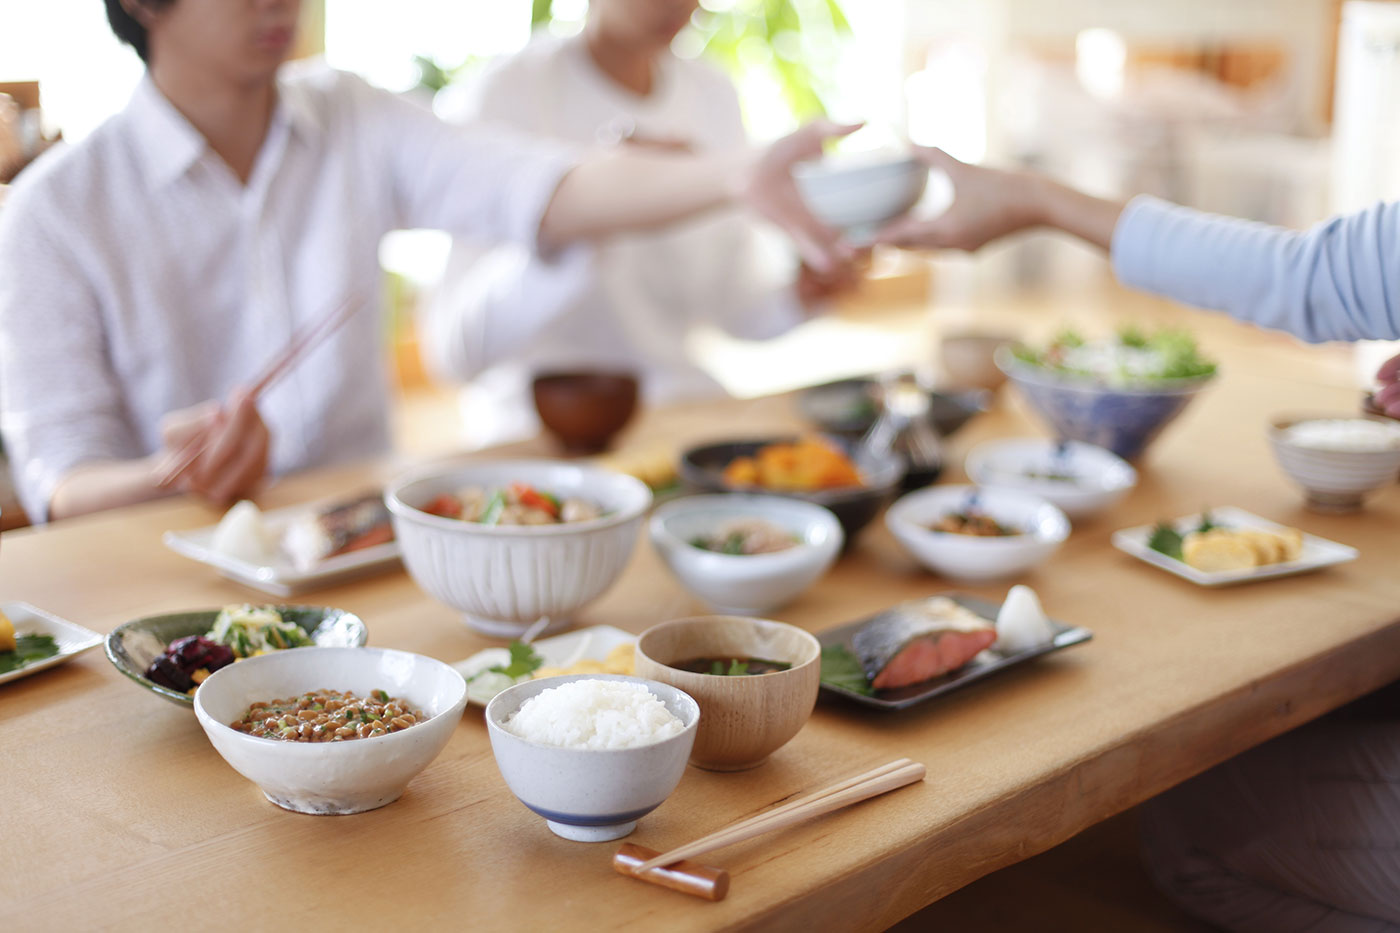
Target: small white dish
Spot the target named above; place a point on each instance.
(1079, 479)
(281, 577)
(591, 795)
(746, 584)
(968, 557)
(585, 644)
(859, 197)
(70, 639)
(332, 777)
(1317, 552)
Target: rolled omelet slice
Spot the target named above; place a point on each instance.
(7, 633)
(1291, 542)
(1268, 547)
(1217, 550)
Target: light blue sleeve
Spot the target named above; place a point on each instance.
(1339, 280)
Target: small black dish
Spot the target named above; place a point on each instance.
(702, 470)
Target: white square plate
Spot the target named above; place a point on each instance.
(72, 640)
(1317, 552)
(282, 577)
(585, 644)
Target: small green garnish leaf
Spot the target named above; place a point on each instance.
(1207, 523)
(523, 660)
(380, 695)
(737, 667)
(717, 668)
(734, 544)
(28, 649)
(1166, 540)
(841, 668)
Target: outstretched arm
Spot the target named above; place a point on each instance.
(633, 189)
(1335, 281)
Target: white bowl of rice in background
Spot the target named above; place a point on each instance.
(1337, 459)
(592, 753)
(506, 578)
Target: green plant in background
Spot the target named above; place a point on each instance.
(792, 43)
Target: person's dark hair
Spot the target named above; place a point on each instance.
(127, 27)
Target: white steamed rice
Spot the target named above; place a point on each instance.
(1351, 434)
(594, 714)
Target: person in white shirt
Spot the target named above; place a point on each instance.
(503, 314)
(149, 272)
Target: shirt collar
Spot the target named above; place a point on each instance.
(169, 144)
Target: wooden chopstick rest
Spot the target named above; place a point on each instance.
(687, 877)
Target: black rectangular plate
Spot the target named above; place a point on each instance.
(984, 665)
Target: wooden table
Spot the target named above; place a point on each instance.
(119, 813)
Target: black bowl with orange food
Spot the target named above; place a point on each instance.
(585, 409)
(855, 504)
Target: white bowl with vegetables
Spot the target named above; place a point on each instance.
(405, 708)
(746, 554)
(972, 534)
(517, 544)
(1079, 479)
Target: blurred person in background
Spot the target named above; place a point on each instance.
(148, 272)
(1302, 832)
(503, 313)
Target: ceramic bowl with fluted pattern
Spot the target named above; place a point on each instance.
(505, 579)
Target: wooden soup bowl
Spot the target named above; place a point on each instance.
(743, 719)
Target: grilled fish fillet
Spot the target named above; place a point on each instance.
(919, 640)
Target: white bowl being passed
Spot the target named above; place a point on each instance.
(860, 197)
(332, 777)
(1079, 479)
(968, 557)
(1335, 479)
(505, 578)
(746, 584)
(590, 795)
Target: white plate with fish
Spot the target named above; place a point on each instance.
(855, 657)
(1300, 553)
(33, 629)
(285, 552)
(572, 652)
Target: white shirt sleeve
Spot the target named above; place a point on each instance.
(494, 299)
(60, 403)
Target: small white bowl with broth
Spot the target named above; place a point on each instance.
(1337, 459)
(348, 775)
(1031, 530)
(592, 794)
(746, 554)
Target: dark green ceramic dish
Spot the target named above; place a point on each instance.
(132, 646)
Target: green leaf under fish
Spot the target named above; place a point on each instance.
(841, 668)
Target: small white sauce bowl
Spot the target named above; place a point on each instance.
(746, 584)
(584, 794)
(332, 777)
(1101, 477)
(968, 557)
(1333, 480)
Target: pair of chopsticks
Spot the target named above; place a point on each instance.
(863, 786)
(304, 340)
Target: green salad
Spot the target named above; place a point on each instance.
(1133, 357)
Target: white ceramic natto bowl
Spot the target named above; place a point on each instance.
(746, 584)
(1101, 477)
(332, 777)
(970, 558)
(505, 578)
(590, 795)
